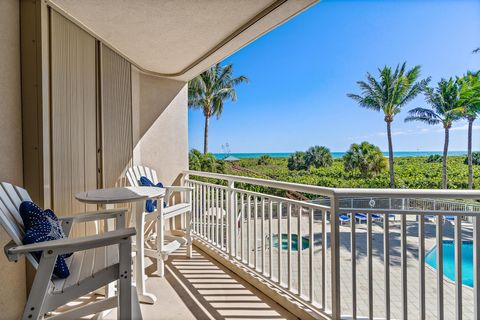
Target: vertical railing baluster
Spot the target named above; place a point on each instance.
(212, 215)
(324, 258)
(222, 219)
(289, 250)
(204, 207)
(421, 265)
(386, 261)
(249, 216)
(353, 248)
(279, 242)
(476, 266)
(208, 213)
(270, 237)
(217, 217)
(370, 265)
(231, 217)
(403, 243)
(311, 284)
(263, 236)
(335, 258)
(255, 233)
(242, 227)
(439, 245)
(299, 251)
(458, 267)
(194, 207)
(234, 223)
(198, 209)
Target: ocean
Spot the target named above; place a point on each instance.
(338, 154)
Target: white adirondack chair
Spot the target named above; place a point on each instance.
(162, 249)
(96, 261)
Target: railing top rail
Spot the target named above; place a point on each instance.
(344, 192)
(408, 193)
(322, 191)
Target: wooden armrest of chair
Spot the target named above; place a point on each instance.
(94, 215)
(172, 189)
(178, 188)
(67, 245)
(68, 221)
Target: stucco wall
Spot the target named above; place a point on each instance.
(160, 125)
(12, 275)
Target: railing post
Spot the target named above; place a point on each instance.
(184, 197)
(335, 255)
(231, 216)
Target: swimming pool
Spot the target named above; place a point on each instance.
(449, 260)
(305, 242)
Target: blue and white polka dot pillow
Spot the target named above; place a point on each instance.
(43, 225)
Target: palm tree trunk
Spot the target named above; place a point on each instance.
(444, 162)
(205, 136)
(469, 153)
(390, 155)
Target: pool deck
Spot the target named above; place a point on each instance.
(378, 292)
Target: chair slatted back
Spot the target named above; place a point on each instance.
(135, 173)
(10, 199)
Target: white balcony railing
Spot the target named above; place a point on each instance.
(349, 253)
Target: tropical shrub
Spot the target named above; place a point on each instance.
(205, 162)
(194, 160)
(367, 158)
(319, 157)
(475, 159)
(412, 173)
(434, 158)
(297, 161)
(264, 160)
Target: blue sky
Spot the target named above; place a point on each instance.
(301, 72)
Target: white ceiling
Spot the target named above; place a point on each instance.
(178, 38)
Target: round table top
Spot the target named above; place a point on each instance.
(120, 195)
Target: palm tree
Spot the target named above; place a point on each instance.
(476, 50)
(366, 158)
(296, 161)
(318, 157)
(389, 94)
(445, 109)
(210, 90)
(470, 101)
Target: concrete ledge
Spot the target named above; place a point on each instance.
(280, 296)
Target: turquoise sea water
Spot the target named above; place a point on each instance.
(338, 154)
(449, 261)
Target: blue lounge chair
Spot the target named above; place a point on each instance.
(449, 218)
(360, 217)
(429, 217)
(343, 218)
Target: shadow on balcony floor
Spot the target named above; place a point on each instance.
(200, 288)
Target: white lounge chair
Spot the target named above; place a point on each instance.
(96, 261)
(162, 249)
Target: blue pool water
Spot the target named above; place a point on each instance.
(305, 242)
(449, 261)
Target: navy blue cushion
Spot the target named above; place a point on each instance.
(43, 225)
(150, 205)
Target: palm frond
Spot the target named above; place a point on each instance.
(210, 89)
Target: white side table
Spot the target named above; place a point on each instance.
(107, 198)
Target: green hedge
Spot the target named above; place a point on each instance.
(410, 172)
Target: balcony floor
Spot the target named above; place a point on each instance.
(201, 288)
